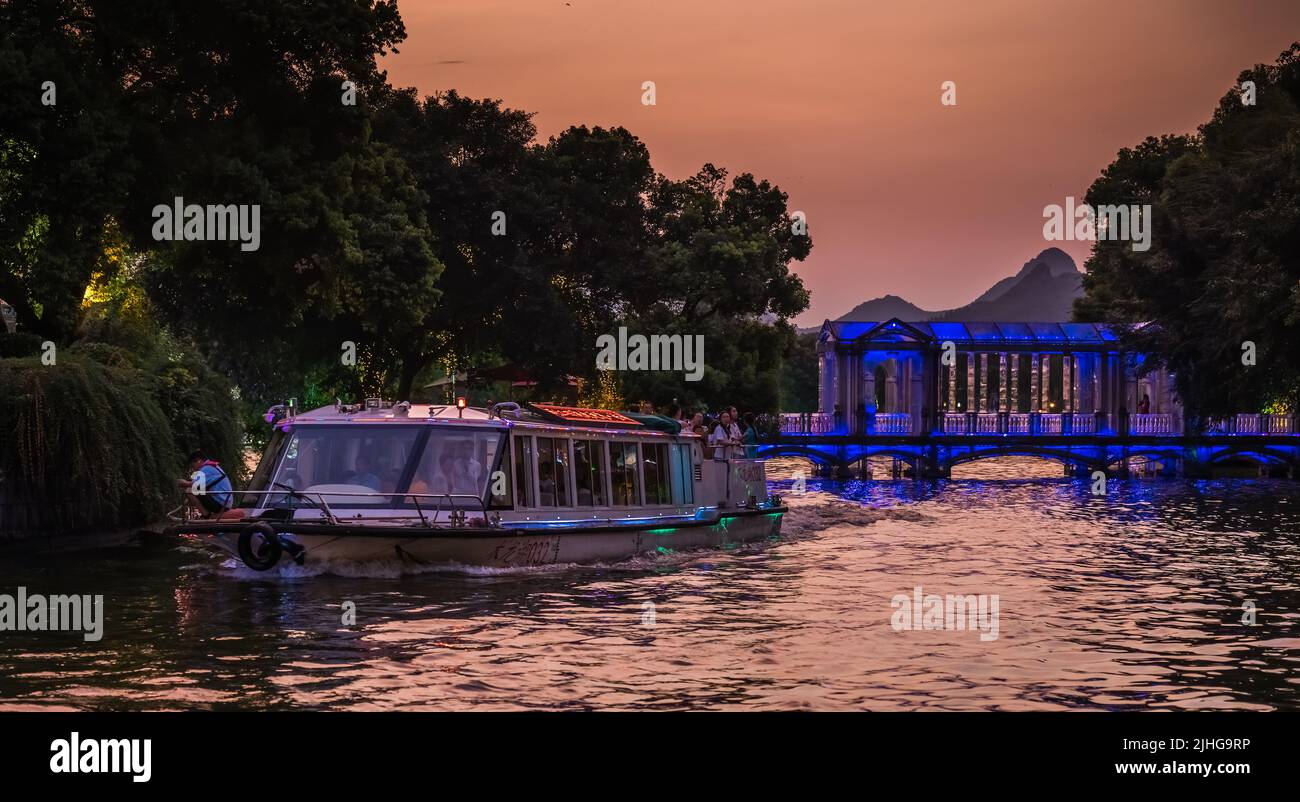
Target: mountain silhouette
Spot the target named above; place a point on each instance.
(1043, 289)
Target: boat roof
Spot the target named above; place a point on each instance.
(550, 417)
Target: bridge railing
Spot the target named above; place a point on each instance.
(1154, 423)
(893, 423)
(807, 422)
(1253, 424)
(1027, 423)
(1035, 423)
(1083, 423)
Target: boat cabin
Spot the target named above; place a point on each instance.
(535, 463)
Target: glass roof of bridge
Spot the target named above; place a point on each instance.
(981, 333)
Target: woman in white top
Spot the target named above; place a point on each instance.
(725, 439)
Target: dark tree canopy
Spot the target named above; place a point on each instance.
(433, 234)
(1224, 265)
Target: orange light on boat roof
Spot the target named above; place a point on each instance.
(461, 403)
(585, 415)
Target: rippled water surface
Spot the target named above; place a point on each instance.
(1131, 600)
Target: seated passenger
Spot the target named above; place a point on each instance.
(546, 485)
(441, 483)
(389, 483)
(364, 476)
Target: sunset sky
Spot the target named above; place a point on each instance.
(838, 102)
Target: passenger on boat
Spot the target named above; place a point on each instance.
(467, 470)
(546, 485)
(216, 496)
(750, 437)
(390, 480)
(725, 439)
(364, 475)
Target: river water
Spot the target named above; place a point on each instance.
(1138, 599)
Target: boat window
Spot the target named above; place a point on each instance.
(589, 470)
(355, 463)
(683, 487)
(654, 461)
(523, 471)
(455, 467)
(499, 495)
(265, 469)
(625, 474)
(553, 472)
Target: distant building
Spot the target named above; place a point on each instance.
(893, 367)
(9, 316)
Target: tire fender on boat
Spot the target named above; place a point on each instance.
(269, 553)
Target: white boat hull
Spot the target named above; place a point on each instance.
(516, 549)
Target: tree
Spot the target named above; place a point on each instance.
(1223, 269)
(720, 260)
(217, 103)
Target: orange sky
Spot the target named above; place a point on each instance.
(837, 101)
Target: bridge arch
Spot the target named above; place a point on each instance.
(1161, 455)
(914, 459)
(1259, 456)
(1090, 462)
(810, 453)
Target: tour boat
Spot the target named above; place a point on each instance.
(510, 486)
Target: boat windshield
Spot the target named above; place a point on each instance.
(378, 466)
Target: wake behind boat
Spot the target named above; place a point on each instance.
(509, 486)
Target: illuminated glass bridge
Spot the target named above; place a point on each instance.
(937, 394)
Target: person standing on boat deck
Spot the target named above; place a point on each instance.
(365, 476)
(750, 437)
(725, 437)
(216, 485)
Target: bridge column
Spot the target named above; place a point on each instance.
(970, 381)
(982, 391)
(950, 372)
(1035, 401)
(1004, 385)
(1045, 382)
(1067, 383)
(931, 466)
(1013, 400)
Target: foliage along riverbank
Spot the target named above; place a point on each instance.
(95, 440)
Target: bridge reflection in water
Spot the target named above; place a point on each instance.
(934, 395)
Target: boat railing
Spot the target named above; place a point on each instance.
(317, 498)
